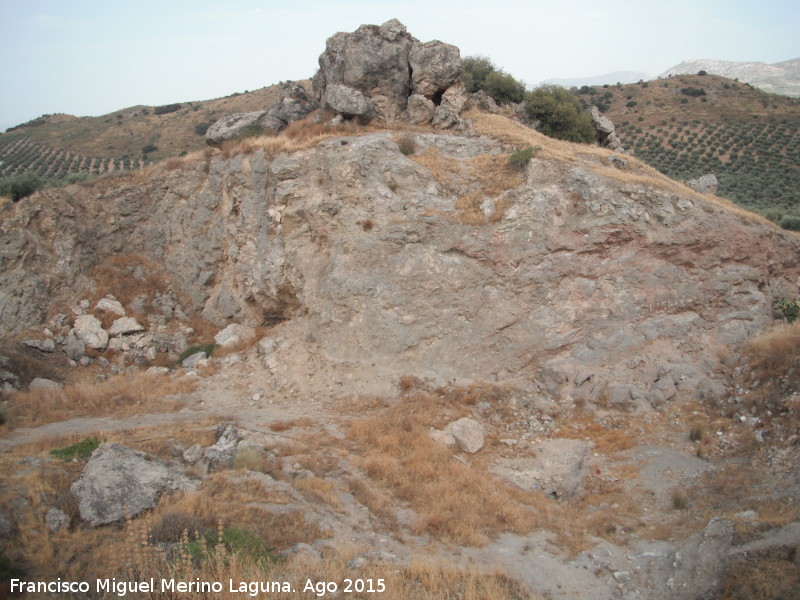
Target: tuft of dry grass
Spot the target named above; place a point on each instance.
(121, 396)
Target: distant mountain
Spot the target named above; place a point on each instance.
(778, 78)
(609, 78)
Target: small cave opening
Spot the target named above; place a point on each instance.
(437, 98)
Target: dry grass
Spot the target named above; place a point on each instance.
(117, 274)
(121, 396)
(617, 435)
(455, 502)
(319, 490)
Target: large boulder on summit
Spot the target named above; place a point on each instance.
(372, 60)
(119, 482)
(375, 71)
(435, 66)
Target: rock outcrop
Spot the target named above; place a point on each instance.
(293, 104)
(606, 130)
(601, 290)
(374, 71)
(707, 184)
(119, 482)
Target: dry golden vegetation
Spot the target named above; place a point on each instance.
(455, 502)
(119, 396)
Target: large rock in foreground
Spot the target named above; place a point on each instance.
(118, 482)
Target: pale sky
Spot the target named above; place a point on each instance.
(90, 58)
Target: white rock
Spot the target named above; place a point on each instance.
(125, 325)
(110, 304)
(44, 384)
(235, 334)
(157, 371)
(468, 434)
(442, 437)
(90, 331)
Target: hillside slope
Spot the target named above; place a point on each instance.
(58, 145)
(778, 78)
(687, 126)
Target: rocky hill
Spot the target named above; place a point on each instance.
(687, 126)
(778, 78)
(435, 359)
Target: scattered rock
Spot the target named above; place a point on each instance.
(707, 184)
(235, 334)
(118, 481)
(111, 304)
(40, 383)
(45, 345)
(124, 326)
(74, 346)
(221, 454)
(56, 519)
(467, 433)
(90, 331)
(235, 126)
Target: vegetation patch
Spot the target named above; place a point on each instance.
(195, 349)
(80, 450)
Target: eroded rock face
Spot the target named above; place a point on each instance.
(580, 282)
(374, 70)
(606, 131)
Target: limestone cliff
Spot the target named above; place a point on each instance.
(589, 280)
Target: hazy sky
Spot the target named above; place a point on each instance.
(90, 58)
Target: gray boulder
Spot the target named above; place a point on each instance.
(221, 455)
(435, 66)
(74, 346)
(90, 331)
(605, 129)
(371, 60)
(707, 184)
(119, 482)
(44, 384)
(193, 360)
(110, 304)
(419, 110)
(484, 101)
(236, 125)
(125, 325)
(467, 433)
(293, 105)
(347, 101)
(235, 334)
(45, 345)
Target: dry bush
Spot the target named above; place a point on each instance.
(445, 170)
(287, 424)
(117, 275)
(469, 210)
(616, 436)
(771, 576)
(172, 164)
(318, 489)
(121, 396)
(377, 501)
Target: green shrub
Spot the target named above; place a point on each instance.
(80, 450)
(560, 114)
(693, 91)
(789, 308)
(480, 73)
(521, 158)
(2, 416)
(149, 148)
(201, 128)
(407, 145)
(194, 349)
(18, 187)
(790, 222)
(630, 104)
(475, 70)
(8, 570)
(503, 87)
(234, 541)
(167, 108)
